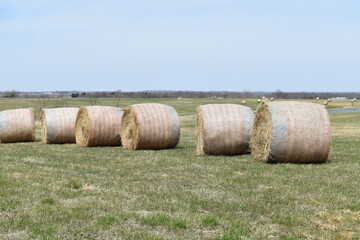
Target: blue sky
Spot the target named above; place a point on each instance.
(260, 45)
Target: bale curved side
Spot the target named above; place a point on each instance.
(291, 132)
(98, 126)
(223, 129)
(17, 125)
(150, 126)
(58, 125)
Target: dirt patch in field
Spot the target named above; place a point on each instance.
(34, 160)
(14, 236)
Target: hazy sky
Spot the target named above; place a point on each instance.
(292, 45)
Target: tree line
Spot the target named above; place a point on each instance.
(278, 94)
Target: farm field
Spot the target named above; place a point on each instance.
(71, 192)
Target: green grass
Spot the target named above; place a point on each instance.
(72, 192)
(210, 221)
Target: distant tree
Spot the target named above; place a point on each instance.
(75, 95)
(246, 93)
(279, 94)
(93, 97)
(10, 94)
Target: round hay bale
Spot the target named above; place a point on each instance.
(17, 125)
(223, 129)
(150, 126)
(98, 126)
(58, 125)
(296, 132)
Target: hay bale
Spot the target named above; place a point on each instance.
(150, 126)
(58, 125)
(98, 126)
(223, 129)
(17, 125)
(297, 132)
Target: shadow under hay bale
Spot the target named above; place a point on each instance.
(223, 129)
(150, 126)
(58, 125)
(291, 132)
(17, 125)
(98, 126)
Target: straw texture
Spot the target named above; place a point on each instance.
(58, 125)
(150, 126)
(98, 126)
(295, 132)
(17, 125)
(223, 129)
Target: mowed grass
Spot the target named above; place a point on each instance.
(71, 192)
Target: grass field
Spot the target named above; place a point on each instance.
(72, 192)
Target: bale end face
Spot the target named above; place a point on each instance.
(261, 134)
(200, 132)
(43, 128)
(129, 130)
(82, 127)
